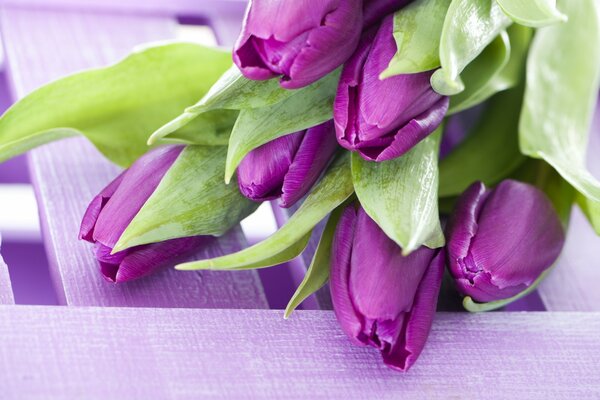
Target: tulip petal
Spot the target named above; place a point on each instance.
(88, 222)
(417, 324)
(137, 184)
(315, 152)
(375, 10)
(341, 252)
(262, 172)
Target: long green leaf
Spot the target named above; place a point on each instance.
(329, 193)
(190, 200)
(469, 26)
(561, 92)
(318, 271)
(490, 152)
(534, 13)
(401, 195)
(254, 127)
(417, 31)
(117, 107)
(489, 73)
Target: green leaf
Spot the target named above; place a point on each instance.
(329, 193)
(561, 92)
(498, 68)
(318, 271)
(401, 195)
(254, 127)
(591, 209)
(116, 107)
(190, 200)
(417, 31)
(490, 152)
(212, 128)
(469, 26)
(534, 13)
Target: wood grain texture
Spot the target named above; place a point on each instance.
(6, 293)
(44, 45)
(100, 353)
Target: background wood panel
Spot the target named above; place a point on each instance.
(44, 45)
(100, 353)
(6, 293)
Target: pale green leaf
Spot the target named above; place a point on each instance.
(534, 13)
(490, 152)
(591, 209)
(561, 92)
(498, 68)
(190, 200)
(417, 31)
(254, 127)
(318, 271)
(401, 195)
(329, 193)
(116, 107)
(469, 26)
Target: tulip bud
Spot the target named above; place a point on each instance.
(300, 40)
(501, 240)
(288, 166)
(111, 211)
(383, 119)
(380, 297)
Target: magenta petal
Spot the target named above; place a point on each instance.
(88, 222)
(137, 185)
(302, 40)
(316, 150)
(340, 275)
(501, 240)
(407, 348)
(148, 258)
(375, 10)
(261, 173)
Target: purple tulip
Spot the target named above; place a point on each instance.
(375, 10)
(111, 211)
(288, 166)
(383, 119)
(300, 40)
(501, 240)
(380, 297)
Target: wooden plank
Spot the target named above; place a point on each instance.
(6, 293)
(43, 45)
(100, 353)
(573, 284)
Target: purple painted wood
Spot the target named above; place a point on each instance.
(573, 284)
(6, 294)
(43, 45)
(100, 353)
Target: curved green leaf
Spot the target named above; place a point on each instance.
(318, 271)
(254, 127)
(417, 31)
(329, 193)
(561, 92)
(489, 73)
(534, 13)
(469, 26)
(490, 152)
(116, 107)
(190, 200)
(401, 195)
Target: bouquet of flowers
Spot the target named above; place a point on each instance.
(426, 133)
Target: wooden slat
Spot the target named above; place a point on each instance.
(101, 353)
(6, 293)
(43, 45)
(573, 284)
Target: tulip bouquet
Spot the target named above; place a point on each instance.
(426, 133)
